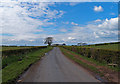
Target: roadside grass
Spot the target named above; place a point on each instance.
(92, 68)
(11, 59)
(94, 61)
(17, 53)
(11, 72)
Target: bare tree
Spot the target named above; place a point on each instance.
(49, 40)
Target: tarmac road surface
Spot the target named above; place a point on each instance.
(55, 67)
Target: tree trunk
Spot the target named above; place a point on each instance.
(49, 44)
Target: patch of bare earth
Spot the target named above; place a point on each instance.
(108, 73)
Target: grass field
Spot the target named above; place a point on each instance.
(5, 48)
(106, 47)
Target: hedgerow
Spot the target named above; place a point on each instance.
(9, 56)
(101, 55)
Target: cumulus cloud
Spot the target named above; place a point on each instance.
(106, 31)
(109, 24)
(22, 19)
(73, 3)
(96, 36)
(63, 30)
(74, 23)
(65, 22)
(62, 0)
(71, 38)
(98, 20)
(98, 8)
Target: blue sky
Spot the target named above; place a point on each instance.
(67, 22)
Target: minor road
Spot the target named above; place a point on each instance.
(55, 67)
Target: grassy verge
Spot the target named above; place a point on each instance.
(16, 55)
(11, 59)
(11, 72)
(95, 61)
(92, 68)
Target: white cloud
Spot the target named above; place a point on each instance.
(70, 38)
(61, 0)
(109, 24)
(31, 40)
(96, 36)
(73, 3)
(105, 31)
(91, 33)
(98, 8)
(74, 23)
(65, 22)
(63, 30)
(98, 20)
(15, 20)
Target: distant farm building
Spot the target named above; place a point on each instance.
(81, 44)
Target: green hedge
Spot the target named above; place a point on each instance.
(10, 56)
(101, 55)
(17, 51)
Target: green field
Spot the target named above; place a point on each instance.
(106, 47)
(5, 48)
